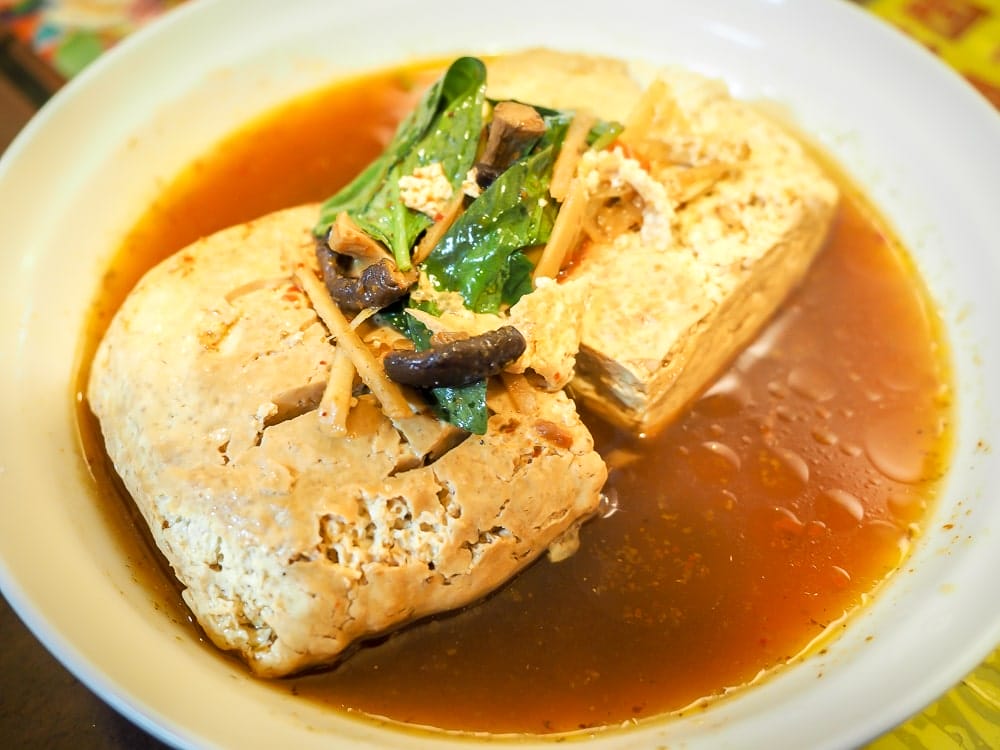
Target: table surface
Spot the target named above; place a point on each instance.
(52, 709)
(41, 704)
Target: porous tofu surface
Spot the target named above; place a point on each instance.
(291, 543)
(730, 213)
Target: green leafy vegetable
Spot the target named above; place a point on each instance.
(445, 127)
(603, 134)
(481, 256)
(478, 256)
(517, 278)
(464, 407)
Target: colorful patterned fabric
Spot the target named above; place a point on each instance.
(70, 34)
(963, 33)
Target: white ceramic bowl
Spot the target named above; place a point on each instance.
(922, 143)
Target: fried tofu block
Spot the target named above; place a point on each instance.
(292, 542)
(702, 218)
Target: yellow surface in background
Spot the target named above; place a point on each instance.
(966, 718)
(963, 33)
(966, 35)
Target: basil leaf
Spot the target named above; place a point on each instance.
(395, 316)
(515, 212)
(358, 193)
(518, 278)
(452, 140)
(390, 222)
(464, 407)
(354, 196)
(445, 127)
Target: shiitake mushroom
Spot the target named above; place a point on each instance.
(457, 363)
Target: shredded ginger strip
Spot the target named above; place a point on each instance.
(437, 230)
(573, 145)
(565, 232)
(394, 404)
(336, 400)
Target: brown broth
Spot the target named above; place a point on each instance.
(763, 515)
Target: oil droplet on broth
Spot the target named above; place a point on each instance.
(783, 472)
(816, 529)
(812, 383)
(900, 379)
(725, 500)
(837, 577)
(795, 464)
(787, 522)
(608, 504)
(839, 509)
(713, 460)
(785, 413)
(897, 459)
(879, 534)
(824, 436)
(727, 397)
(850, 449)
(906, 507)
